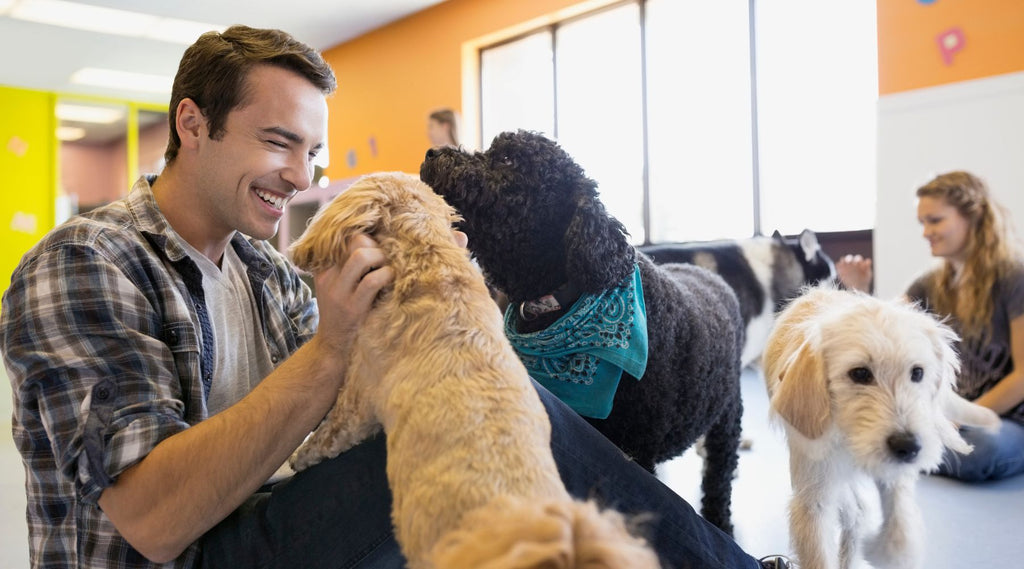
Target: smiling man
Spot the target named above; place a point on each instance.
(166, 360)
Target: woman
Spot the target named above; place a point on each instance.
(443, 128)
(979, 286)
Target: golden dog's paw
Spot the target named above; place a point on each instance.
(303, 458)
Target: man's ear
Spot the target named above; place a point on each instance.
(190, 122)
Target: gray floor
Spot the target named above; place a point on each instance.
(967, 525)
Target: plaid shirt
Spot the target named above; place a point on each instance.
(107, 341)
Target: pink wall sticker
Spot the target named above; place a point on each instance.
(950, 42)
(17, 146)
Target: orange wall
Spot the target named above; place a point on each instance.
(986, 38)
(390, 79)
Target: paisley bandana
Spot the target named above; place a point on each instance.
(580, 358)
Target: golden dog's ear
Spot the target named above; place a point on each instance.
(359, 209)
(801, 395)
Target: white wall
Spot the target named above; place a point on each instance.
(972, 125)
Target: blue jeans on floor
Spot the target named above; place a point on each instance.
(995, 456)
(337, 514)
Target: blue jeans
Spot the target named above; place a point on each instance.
(337, 513)
(995, 456)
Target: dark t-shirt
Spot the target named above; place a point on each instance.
(983, 364)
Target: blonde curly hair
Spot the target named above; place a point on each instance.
(992, 251)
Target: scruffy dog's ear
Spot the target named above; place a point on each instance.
(324, 241)
(801, 395)
(597, 254)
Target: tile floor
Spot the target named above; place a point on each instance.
(967, 525)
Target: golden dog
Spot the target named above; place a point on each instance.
(468, 439)
(865, 390)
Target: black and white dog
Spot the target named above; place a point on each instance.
(766, 273)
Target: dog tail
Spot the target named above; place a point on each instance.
(517, 533)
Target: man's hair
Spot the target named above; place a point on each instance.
(214, 69)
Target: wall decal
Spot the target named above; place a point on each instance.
(950, 42)
(23, 222)
(926, 2)
(17, 146)
(373, 146)
(350, 158)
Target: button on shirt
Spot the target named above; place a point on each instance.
(107, 342)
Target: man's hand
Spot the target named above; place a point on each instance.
(345, 294)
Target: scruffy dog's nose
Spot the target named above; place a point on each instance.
(431, 153)
(904, 446)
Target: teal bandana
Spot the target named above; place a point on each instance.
(580, 358)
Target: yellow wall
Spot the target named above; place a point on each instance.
(389, 80)
(986, 37)
(27, 158)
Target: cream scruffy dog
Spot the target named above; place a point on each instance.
(468, 439)
(865, 391)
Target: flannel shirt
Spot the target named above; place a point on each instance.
(108, 345)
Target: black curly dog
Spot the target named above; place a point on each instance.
(536, 227)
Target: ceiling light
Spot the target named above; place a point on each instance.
(174, 30)
(89, 113)
(107, 20)
(70, 133)
(122, 80)
(83, 16)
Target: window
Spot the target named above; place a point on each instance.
(655, 100)
(517, 85)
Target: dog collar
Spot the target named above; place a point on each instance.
(561, 298)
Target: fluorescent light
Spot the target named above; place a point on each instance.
(107, 20)
(70, 133)
(89, 113)
(83, 17)
(174, 30)
(122, 80)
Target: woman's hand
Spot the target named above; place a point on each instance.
(855, 272)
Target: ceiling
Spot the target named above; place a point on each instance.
(43, 57)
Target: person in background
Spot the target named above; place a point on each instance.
(166, 360)
(443, 128)
(978, 286)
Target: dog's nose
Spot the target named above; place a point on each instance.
(431, 153)
(904, 446)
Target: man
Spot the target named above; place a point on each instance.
(166, 360)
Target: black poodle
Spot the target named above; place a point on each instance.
(542, 236)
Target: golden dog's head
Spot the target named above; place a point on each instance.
(400, 212)
(883, 373)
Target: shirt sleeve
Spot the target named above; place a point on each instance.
(1015, 293)
(93, 363)
(918, 291)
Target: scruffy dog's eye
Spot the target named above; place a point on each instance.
(861, 375)
(916, 374)
(506, 160)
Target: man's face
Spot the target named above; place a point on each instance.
(265, 155)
